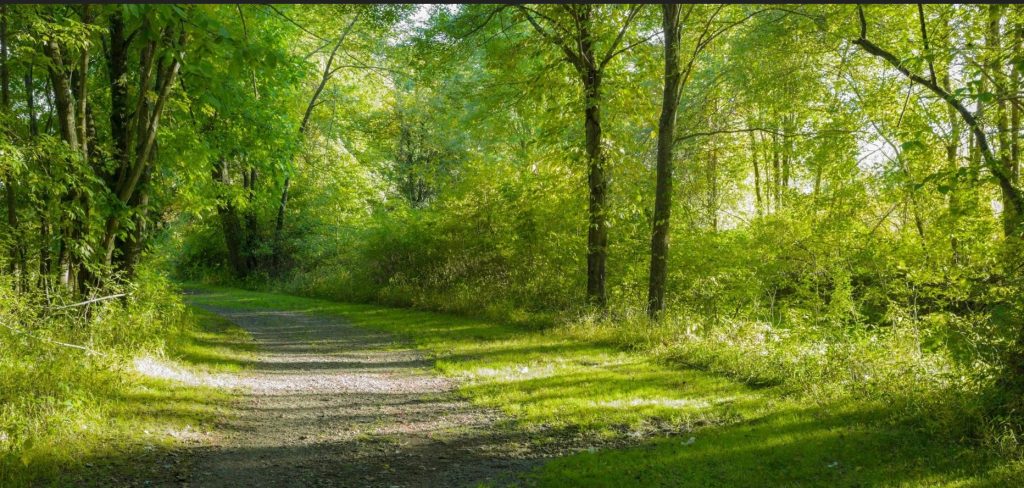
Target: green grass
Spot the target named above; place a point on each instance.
(79, 420)
(743, 436)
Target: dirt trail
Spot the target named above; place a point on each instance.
(331, 404)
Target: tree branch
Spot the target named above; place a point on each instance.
(570, 55)
(296, 24)
(635, 9)
(993, 163)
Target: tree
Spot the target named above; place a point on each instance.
(675, 80)
(666, 140)
(573, 29)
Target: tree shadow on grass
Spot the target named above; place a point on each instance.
(793, 447)
(833, 446)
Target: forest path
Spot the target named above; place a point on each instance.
(331, 404)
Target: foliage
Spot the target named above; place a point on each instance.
(846, 210)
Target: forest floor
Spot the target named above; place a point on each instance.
(359, 395)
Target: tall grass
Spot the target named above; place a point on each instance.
(66, 383)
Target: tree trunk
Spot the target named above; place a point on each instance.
(62, 96)
(80, 82)
(324, 78)
(252, 230)
(713, 191)
(776, 174)
(1015, 87)
(993, 46)
(663, 185)
(597, 180)
(146, 118)
(230, 223)
(597, 234)
(758, 202)
(117, 66)
(279, 224)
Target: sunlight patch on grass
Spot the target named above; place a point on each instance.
(795, 446)
(654, 402)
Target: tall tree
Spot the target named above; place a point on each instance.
(571, 29)
(329, 69)
(707, 26)
(673, 83)
(134, 125)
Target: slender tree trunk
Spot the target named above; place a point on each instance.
(324, 78)
(81, 83)
(65, 105)
(230, 223)
(758, 202)
(1015, 88)
(993, 46)
(597, 180)
(62, 96)
(117, 67)
(955, 202)
(133, 244)
(30, 103)
(279, 224)
(252, 229)
(663, 185)
(776, 174)
(580, 51)
(44, 246)
(713, 191)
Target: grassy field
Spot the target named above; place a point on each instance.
(97, 420)
(688, 427)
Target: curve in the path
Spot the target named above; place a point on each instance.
(331, 404)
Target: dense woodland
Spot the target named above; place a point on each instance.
(824, 197)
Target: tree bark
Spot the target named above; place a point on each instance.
(663, 185)
(230, 223)
(597, 181)
(62, 96)
(1015, 87)
(581, 53)
(252, 229)
(146, 120)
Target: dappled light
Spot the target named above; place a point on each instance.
(581, 244)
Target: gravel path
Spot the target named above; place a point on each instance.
(331, 404)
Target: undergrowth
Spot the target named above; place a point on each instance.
(71, 399)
